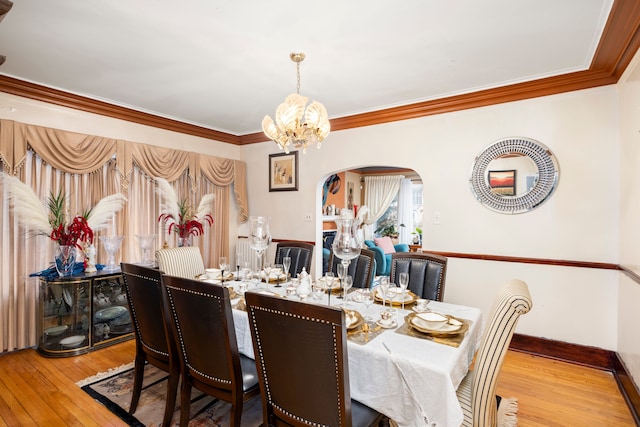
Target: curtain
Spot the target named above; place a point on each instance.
(88, 168)
(405, 211)
(24, 254)
(379, 192)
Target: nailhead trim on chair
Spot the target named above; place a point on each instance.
(335, 355)
(184, 352)
(135, 318)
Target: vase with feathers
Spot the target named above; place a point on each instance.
(52, 219)
(180, 216)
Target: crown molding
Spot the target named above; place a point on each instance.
(619, 43)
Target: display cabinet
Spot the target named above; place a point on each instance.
(83, 312)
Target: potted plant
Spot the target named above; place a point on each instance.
(388, 228)
(417, 236)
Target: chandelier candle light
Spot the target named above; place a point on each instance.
(289, 128)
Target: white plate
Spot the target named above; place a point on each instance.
(444, 327)
(125, 319)
(110, 313)
(73, 341)
(408, 297)
(54, 331)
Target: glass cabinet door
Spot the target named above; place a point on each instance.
(111, 318)
(79, 313)
(63, 327)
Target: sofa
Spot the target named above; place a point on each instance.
(383, 260)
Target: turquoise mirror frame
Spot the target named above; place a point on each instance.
(547, 179)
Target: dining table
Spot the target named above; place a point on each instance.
(409, 377)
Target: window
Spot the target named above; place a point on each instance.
(388, 224)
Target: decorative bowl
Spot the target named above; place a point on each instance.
(431, 320)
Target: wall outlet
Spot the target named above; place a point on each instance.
(436, 218)
(308, 217)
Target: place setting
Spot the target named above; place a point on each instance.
(441, 328)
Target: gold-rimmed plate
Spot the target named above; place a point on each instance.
(453, 327)
(409, 297)
(353, 319)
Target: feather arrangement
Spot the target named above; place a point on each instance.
(30, 212)
(170, 207)
(179, 215)
(51, 218)
(100, 216)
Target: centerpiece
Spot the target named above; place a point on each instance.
(53, 220)
(180, 216)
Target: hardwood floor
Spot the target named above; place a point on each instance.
(38, 391)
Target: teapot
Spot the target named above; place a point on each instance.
(304, 288)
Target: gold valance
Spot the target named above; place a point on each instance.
(78, 153)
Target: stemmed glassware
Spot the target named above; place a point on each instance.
(267, 272)
(347, 282)
(341, 270)
(238, 262)
(392, 291)
(145, 241)
(259, 237)
(222, 263)
(403, 281)
(366, 295)
(329, 278)
(346, 244)
(278, 268)
(111, 245)
(286, 265)
(384, 288)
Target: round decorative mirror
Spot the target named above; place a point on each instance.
(514, 175)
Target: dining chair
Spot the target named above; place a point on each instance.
(427, 273)
(202, 323)
(477, 391)
(301, 353)
(183, 261)
(361, 268)
(154, 340)
(300, 253)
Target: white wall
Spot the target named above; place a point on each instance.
(580, 221)
(628, 312)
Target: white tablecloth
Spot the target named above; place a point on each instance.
(432, 371)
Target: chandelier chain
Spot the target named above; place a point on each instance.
(298, 74)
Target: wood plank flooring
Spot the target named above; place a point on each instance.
(38, 391)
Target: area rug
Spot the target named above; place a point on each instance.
(113, 389)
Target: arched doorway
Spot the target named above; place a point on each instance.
(347, 189)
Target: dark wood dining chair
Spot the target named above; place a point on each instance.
(202, 322)
(301, 353)
(427, 273)
(361, 269)
(154, 340)
(477, 391)
(300, 253)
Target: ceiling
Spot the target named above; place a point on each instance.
(223, 65)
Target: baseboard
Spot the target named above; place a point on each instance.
(592, 357)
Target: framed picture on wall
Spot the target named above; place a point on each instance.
(503, 182)
(283, 172)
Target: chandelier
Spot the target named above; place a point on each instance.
(289, 128)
